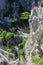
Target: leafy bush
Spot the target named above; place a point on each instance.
(4, 33)
(16, 36)
(37, 60)
(13, 29)
(0, 35)
(21, 52)
(21, 45)
(24, 41)
(24, 15)
(14, 19)
(8, 45)
(9, 50)
(9, 35)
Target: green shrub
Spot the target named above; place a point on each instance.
(21, 45)
(24, 15)
(1, 30)
(24, 41)
(13, 29)
(4, 33)
(37, 60)
(21, 52)
(9, 50)
(16, 36)
(14, 19)
(9, 35)
(8, 45)
(0, 35)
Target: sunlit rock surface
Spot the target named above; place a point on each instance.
(31, 48)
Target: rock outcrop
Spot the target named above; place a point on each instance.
(36, 26)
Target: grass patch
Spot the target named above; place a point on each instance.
(37, 60)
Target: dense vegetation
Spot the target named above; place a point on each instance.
(10, 40)
(14, 21)
(37, 60)
(9, 37)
